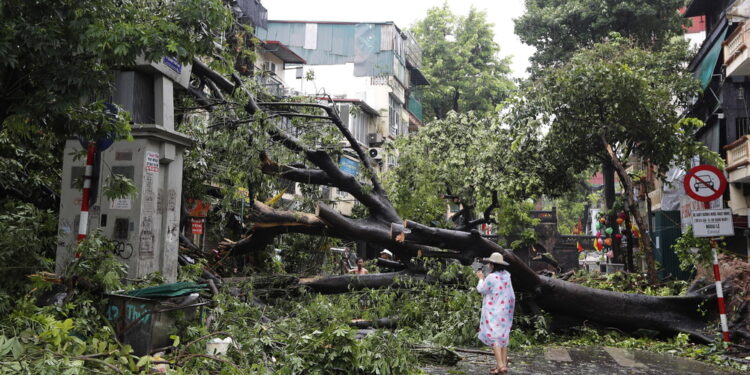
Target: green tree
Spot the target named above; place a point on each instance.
(558, 28)
(460, 59)
(615, 100)
(57, 72)
(466, 159)
(57, 52)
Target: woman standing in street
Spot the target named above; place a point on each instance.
(497, 309)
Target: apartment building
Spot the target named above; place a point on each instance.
(722, 65)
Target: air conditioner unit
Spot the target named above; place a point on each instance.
(377, 153)
(269, 67)
(374, 139)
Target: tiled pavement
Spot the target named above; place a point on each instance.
(582, 361)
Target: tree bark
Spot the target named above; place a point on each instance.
(609, 199)
(628, 185)
(625, 311)
(346, 283)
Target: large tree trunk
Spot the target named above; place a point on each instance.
(609, 199)
(628, 185)
(620, 310)
(625, 311)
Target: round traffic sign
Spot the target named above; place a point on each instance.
(705, 183)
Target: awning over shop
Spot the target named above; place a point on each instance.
(706, 68)
(704, 63)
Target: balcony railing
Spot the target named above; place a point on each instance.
(738, 153)
(736, 51)
(415, 107)
(274, 86)
(413, 51)
(738, 159)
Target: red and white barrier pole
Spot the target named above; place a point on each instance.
(720, 294)
(83, 224)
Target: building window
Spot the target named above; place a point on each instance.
(742, 124)
(358, 126)
(394, 116)
(391, 161)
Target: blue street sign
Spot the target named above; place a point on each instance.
(349, 166)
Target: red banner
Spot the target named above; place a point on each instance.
(197, 226)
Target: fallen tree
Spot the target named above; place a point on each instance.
(408, 240)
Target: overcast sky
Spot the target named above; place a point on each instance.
(405, 12)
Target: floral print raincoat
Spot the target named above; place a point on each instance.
(497, 308)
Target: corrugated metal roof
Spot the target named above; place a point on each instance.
(343, 42)
(283, 52)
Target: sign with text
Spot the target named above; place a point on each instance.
(152, 161)
(349, 166)
(713, 223)
(196, 226)
(688, 205)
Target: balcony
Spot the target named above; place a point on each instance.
(413, 51)
(738, 159)
(415, 108)
(272, 84)
(736, 57)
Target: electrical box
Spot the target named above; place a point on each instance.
(145, 227)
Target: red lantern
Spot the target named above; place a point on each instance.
(618, 236)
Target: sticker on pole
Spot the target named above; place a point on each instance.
(705, 183)
(713, 223)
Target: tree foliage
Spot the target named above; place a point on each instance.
(618, 93)
(617, 100)
(559, 28)
(464, 155)
(468, 158)
(461, 63)
(58, 52)
(57, 73)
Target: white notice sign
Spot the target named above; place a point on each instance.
(120, 204)
(688, 205)
(713, 223)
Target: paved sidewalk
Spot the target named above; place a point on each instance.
(582, 361)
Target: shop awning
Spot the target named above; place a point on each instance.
(704, 63)
(706, 68)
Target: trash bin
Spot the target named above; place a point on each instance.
(146, 323)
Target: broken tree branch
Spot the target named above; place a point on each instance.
(287, 172)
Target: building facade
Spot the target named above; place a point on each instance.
(370, 71)
(373, 63)
(722, 65)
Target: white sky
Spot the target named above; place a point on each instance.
(405, 12)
